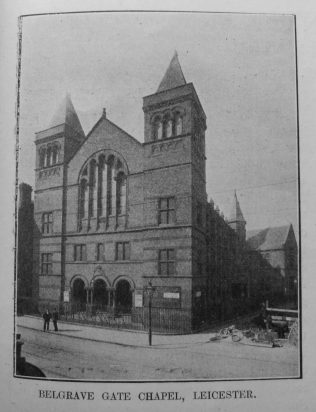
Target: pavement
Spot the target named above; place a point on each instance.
(117, 337)
(79, 351)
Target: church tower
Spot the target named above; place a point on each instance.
(174, 186)
(236, 220)
(175, 125)
(54, 147)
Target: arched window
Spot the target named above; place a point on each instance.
(102, 186)
(42, 157)
(167, 127)
(83, 209)
(93, 189)
(55, 154)
(110, 185)
(121, 193)
(102, 190)
(157, 132)
(178, 124)
(49, 156)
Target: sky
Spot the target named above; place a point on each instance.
(242, 67)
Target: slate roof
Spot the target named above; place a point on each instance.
(236, 213)
(66, 114)
(269, 238)
(173, 77)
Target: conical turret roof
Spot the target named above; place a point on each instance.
(173, 77)
(236, 213)
(66, 114)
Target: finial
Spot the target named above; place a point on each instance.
(104, 112)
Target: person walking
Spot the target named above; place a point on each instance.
(47, 317)
(55, 319)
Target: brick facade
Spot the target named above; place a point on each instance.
(114, 214)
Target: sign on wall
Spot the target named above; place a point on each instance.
(171, 295)
(138, 301)
(165, 297)
(66, 295)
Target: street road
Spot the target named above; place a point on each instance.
(60, 356)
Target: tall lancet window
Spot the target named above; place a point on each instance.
(157, 133)
(121, 193)
(102, 194)
(42, 157)
(110, 185)
(178, 124)
(93, 189)
(55, 154)
(83, 206)
(49, 156)
(167, 125)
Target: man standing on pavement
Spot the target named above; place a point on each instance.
(55, 319)
(47, 317)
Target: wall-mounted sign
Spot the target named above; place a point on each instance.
(138, 301)
(171, 295)
(66, 295)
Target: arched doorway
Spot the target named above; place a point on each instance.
(79, 294)
(123, 297)
(100, 294)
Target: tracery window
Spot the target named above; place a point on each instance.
(102, 188)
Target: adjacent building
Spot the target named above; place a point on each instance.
(24, 242)
(278, 247)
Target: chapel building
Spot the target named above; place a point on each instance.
(113, 214)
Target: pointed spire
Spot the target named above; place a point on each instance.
(173, 77)
(236, 213)
(66, 114)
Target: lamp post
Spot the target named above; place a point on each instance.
(150, 291)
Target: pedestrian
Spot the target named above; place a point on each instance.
(47, 317)
(55, 319)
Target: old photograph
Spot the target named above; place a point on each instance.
(158, 226)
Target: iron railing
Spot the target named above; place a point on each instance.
(166, 320)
